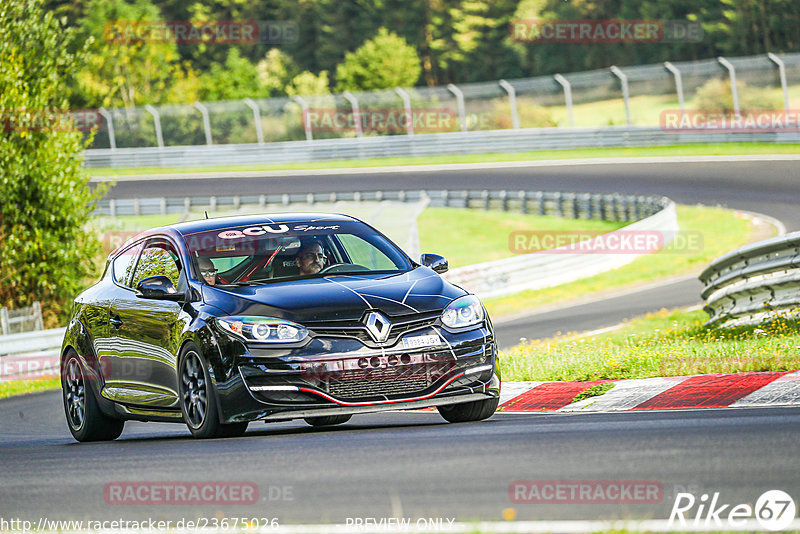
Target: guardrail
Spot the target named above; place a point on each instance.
(30, 355)
(610, 207)
(416, 145)
(21, 320)
(753, 283)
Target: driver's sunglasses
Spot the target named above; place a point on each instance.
(207, 272)
(321, 256)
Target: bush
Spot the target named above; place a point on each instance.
(384, 62)
(46, 249)
(715, 95)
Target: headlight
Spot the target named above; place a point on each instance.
(464, 311)
(263, 329)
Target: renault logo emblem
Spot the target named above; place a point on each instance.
(378, 326)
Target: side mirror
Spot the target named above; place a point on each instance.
(434, 261)
(158, 288)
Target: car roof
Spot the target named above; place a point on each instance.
(203, 225)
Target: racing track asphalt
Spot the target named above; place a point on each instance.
(409, 464)
(769, 187)
(413, 464)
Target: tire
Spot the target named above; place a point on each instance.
(469, 411)
(327, 420)
(198, 399)
(85, 420)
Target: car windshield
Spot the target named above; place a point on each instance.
(267, 252)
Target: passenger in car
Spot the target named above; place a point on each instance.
(208, 271)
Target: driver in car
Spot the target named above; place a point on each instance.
(310, 258)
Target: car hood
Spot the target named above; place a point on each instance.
(339, 297)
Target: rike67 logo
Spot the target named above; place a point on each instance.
(774, 510)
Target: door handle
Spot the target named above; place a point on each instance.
(116, 322)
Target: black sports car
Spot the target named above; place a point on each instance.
(220, 322)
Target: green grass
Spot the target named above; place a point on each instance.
(645, 109)
(721, 149)
(466, 237)
(594, 391)
(21, 387)
(722, 230)
(666, 343)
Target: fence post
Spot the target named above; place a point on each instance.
(256, 119)
(734, 91)
(350, 97)
(589, 206)
(678, 83)
(462, 110)
(157, 123)
(112, 138)
(38, 322)
(306, 119)
(782, 73)
(540, 202)
(567, 97)
(512, 102)
(625, 93)
(407, 107)
(523, 201)
(206, 122)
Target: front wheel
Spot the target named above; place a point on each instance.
(199, 400)
(85, 420)
(469, 411)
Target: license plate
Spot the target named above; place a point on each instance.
(421, 341)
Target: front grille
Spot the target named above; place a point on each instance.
(401, 380)
(401, 325)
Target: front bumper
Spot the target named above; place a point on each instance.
(341, 375)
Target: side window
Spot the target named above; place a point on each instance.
(363, 253)
(124, 263)
(157, 259)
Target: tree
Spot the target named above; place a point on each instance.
(276, 71)
(46, 252)
(236, 79)
(123, 69)
(383, 62)
(306, 83)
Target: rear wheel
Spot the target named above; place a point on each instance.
(469, 411)
(85, 420)
(199, 400)
(327, 420)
